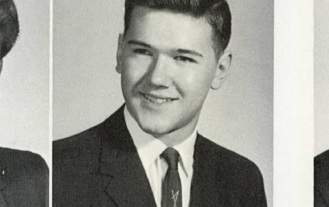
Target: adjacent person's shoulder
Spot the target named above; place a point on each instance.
(321, 180)
(24, 178)
(322, 160)
(23, 162)
(321, 168)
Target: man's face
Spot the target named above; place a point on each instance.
(167, 65)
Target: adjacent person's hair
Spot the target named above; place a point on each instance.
(9, 26)
(216, 12)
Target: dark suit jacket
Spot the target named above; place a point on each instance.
(23, 179)
(101, 167)
(321, 180)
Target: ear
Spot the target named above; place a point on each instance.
(223, 66)
(118, 68)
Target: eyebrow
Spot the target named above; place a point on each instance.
(183, 51)
(192, 52)
(136, 42)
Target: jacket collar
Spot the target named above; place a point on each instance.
(119, 159)
(129, 184)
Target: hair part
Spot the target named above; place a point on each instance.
(216, 12)
(9, 26)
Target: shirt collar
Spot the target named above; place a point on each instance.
(150, 148)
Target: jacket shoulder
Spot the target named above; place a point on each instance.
(71, 147)
(321, 169)
(241, 177)
(25, 175)
(231, 166)
(321, 174)
(23, 162)
(87, 144)
(230, 159)
(321, 162)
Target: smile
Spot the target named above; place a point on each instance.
(157, 100)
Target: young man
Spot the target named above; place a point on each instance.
(149, 153)
(23, 175)
(321, 180)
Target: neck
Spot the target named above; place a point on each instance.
(177, 136)
(170, 139)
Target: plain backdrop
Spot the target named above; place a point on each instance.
(24, 83)
(321, 71)
(87, 90)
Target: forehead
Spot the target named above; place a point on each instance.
(165, 27)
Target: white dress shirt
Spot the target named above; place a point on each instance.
(149, 150)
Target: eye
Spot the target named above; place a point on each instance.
(142, 52)
(185, 59)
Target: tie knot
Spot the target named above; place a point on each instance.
(171, 156)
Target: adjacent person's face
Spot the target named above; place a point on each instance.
(1, 60)
(168, 65)
(0, 55)
(0, 66)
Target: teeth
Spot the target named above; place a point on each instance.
(156, 100)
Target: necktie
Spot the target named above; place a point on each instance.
(171, 186)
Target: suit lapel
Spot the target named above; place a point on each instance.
(199, 186)
(128, 185)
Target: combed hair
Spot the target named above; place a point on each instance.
(9, 26)
(216, 12)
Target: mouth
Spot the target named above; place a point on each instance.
(157, 100)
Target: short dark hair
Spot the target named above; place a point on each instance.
(216, 12)
(9, 26)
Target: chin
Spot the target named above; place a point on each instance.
(155, 127)
(155, 130)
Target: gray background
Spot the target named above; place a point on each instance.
(24, 83)
(87, 89)
(321, 72)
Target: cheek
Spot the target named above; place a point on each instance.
(196, 83)
(134, 69)
(131, 73)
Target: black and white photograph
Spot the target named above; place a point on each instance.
(163, 103)
(321, 103)
(24, 100)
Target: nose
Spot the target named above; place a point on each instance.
(158, 74)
